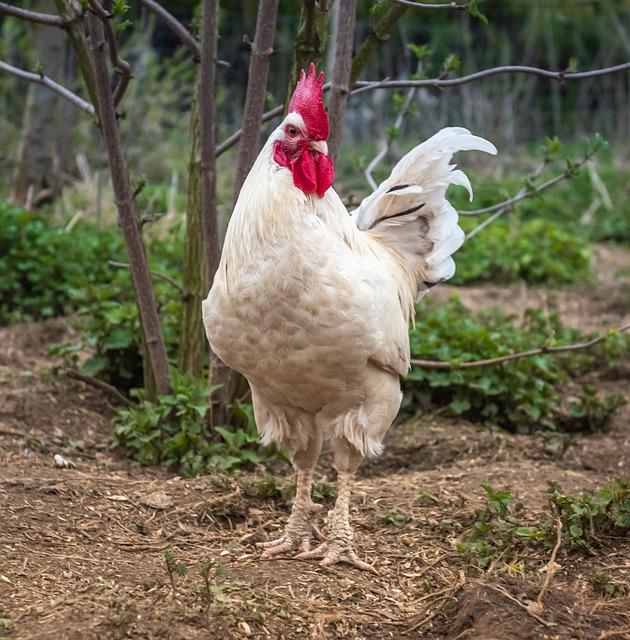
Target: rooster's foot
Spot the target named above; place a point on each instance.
(334, 552)
(289, 543)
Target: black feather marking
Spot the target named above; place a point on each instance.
(398, 187)
(396, 215)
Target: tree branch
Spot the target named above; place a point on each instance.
(385, 148)
(379, 34)
(155, 274)
(40, 78)
(424, 5)
(346, 16)
(228, 143)
(124, 68)
(140, 277)
(449, 366)
(99, 384)
(439, 83)
(187, 38)
(502, 207)
(442, 83)
(184, 35)
(262, 48)
(33, 16)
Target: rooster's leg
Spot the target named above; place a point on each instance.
(338, 546)
(299, 531)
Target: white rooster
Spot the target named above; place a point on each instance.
(312, 305)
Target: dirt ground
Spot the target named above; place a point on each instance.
(82, 549)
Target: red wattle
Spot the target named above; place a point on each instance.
(305, 173)
(325, 173)
(312, 172)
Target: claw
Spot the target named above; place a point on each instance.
(283, 547)
(271, 543)
(317, 552)
(331, 556)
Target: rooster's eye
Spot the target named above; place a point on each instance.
(292, 131)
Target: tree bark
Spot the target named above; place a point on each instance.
(310, 42)
(219, 373)
(76, 35)
(341, 73)
(145, 297)
(35, 177)
(192, 339)
(262, 48)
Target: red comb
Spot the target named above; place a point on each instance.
(308, 101)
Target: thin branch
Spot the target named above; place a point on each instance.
(439, 83)
(385, 148)
(99, 384)
(123, 66)
(32, 16)
(424, 5)
(40, 78)
(449, 366)
(187, 38)
(523, 194)
(503, 207)
(184, 35)
(155, 274)
(443, 83)
(551, 568)
(228, 143)
(380, 33)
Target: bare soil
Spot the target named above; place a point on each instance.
(82, 549)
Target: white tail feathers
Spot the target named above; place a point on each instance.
(410, 212)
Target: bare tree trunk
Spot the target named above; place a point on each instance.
(219, 373)
(341, 73)
(192, 339)
(35, 177)
(262, 48)
(310, 41)
(127, 220)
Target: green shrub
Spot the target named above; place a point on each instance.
(173, 431)
(519, 395)
(42, 266)
(537, 251)
(498, 531)
(107, 315)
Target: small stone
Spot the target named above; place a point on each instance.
(62, 463)
(157, 500)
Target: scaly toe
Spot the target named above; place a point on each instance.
(271, 543)
(330, 555)
(278, 549)
(318, 552)
(349, 557)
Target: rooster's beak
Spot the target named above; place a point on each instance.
(319, 145)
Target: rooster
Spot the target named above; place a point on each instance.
(312, 305)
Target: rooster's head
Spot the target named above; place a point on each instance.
(300, 141)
